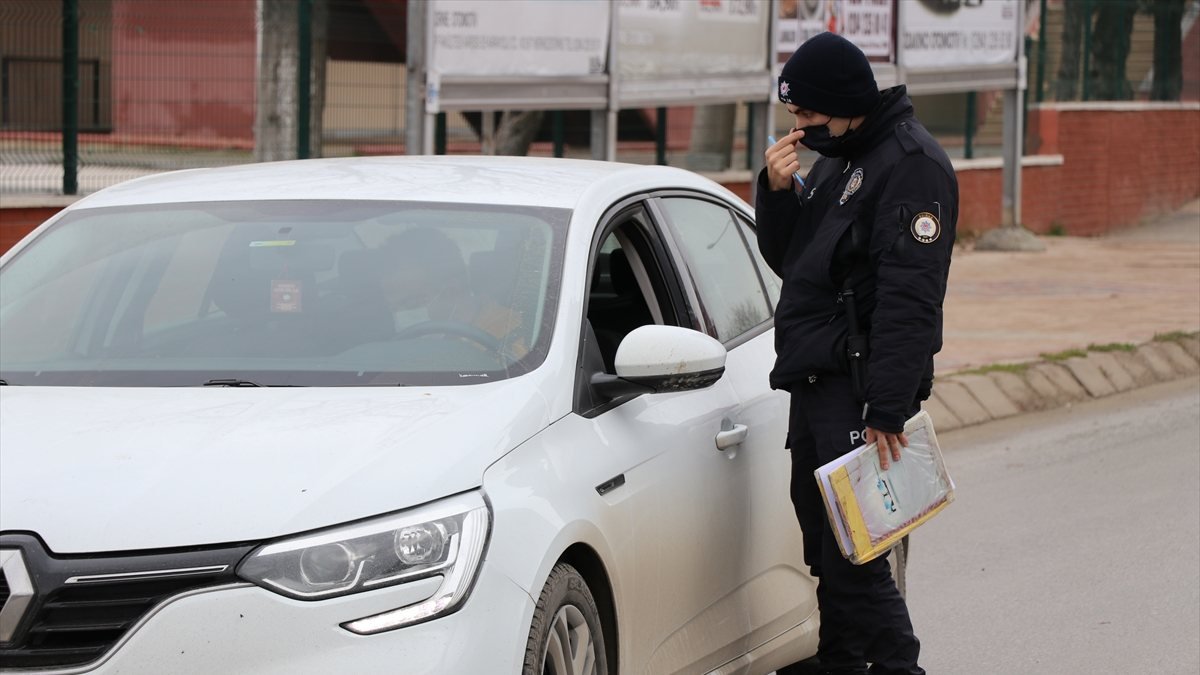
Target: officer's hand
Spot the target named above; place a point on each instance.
(889, 445)
(781, 161)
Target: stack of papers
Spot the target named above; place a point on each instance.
(871, 509)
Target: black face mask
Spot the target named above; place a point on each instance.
(817, 138)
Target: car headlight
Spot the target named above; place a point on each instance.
(445, 538)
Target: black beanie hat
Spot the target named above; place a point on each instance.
(828, 74)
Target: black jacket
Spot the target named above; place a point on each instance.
(883, 217)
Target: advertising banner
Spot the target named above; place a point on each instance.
(940, 33)
(867, 23)
(671, 38)
(519, 37)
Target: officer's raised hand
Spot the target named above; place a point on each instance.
(781, 161)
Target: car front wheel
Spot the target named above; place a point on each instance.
(566, 636)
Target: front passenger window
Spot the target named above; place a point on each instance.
(720, 264)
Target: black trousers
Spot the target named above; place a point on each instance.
(863, 617)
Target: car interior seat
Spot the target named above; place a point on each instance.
(358, 312)
(269, 295)
(613, 315)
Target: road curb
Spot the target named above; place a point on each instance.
(974, 397)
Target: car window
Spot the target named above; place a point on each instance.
(628, 288)
(719, 264)
(279, 292)
(772, 282)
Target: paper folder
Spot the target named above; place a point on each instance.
(871, 509)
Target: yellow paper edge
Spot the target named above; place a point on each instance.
(830, 502)
(851, 513)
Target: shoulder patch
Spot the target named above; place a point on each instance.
(925, 227)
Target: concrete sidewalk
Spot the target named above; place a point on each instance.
(1087, 318)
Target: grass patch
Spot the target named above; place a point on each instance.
(1015, 368)
(1172, 336)
(1112, 347)
(1063, 355)
(1057, 229)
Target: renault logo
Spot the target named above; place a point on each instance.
(20, 592)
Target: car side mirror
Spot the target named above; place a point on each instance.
(660, 359)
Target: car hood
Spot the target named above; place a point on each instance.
(92, 469)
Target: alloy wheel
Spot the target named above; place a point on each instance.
(570, 649)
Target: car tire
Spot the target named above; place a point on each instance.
(566, 636)
(898, 558)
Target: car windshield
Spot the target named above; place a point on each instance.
(282, 293)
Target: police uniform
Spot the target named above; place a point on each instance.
(874, 224)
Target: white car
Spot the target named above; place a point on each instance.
(409, 415)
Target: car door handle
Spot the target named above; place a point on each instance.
(735, 434)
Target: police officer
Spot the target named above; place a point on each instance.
(863, 246)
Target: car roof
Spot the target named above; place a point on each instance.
(528, 181)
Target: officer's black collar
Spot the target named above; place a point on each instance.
(894, 106)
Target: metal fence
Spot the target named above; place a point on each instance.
(93, 92)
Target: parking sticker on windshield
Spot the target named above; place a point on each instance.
(285, 296)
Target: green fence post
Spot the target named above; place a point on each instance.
(1041, 67)
(750, 133)
(1025, 96)
(660, 136)
(304, 81)
(1087, 49)
(969, 140)
(70, 97)
(1122, 47)
(558, 124)
(439, 134)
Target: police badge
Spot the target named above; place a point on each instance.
(852, 185)
(925, 227)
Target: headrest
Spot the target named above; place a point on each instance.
(620, 273)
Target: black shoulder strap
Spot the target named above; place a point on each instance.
(904, 135)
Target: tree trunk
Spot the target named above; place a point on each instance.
(1168, 50)
(1110, 50)
(276, 136)
(712, 137)
(276, 90)
(320, 49)
(516, 131)
(1066, 86)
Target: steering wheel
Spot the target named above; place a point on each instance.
(456, 328)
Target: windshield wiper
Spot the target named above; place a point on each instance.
(231, 382)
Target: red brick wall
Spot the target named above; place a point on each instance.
(184, 68)
(1122, 163)
(979, 208)
(16, 223)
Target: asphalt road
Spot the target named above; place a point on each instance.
(1073, 545)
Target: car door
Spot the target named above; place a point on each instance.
(736, 294)
(680, 521)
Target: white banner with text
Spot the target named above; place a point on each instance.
(671, 38)
(519, 37)
(941, 33)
